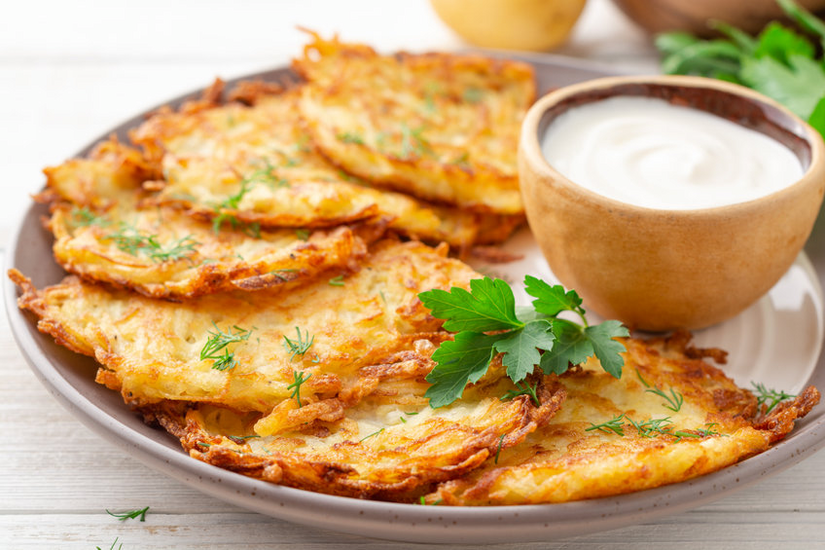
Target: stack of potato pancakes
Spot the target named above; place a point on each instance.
(246, 273)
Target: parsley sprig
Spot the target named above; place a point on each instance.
(487, 322)
(780, 62)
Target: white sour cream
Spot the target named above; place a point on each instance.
(647, 152)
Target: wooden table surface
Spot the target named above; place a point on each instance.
(71, 70)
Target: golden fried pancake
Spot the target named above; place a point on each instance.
(391, 445)
(255, 164)
(105, 234)
(245, 350)
(670, 418)
(441, 127)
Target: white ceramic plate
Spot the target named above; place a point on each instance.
(777, 342)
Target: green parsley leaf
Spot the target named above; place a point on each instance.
(571, 347)
(781, 62)
(520, 349)
(460, 361)
(782, 43)
(526, 337)
(799, 85)
(606, 349)
(551, 300)
(488, 306)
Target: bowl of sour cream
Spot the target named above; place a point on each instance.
(668, 201)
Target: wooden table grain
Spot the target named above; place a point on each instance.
(69, 71)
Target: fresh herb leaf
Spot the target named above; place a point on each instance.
(651, 427)
(241, 439)
(488, 306)
(781, 43)
(299, 379)
(280, 273)
(134, 514)
(614, 425)
(521, 348)
(112, 547)
(524, 388)
(805, 19)
(770, 398)
(708, 430)
(371, 435)
(413, 142)
(130, 240)
(472, 95)
(349, 137)
(498, 450)
(300, 345)
(552, 300)
(607, 350)
(673, 400)
(219, 340)
(302, 234)
(571, 347)
(83, 217)
(459, 362)
(337, 281)
(799, 85)
(525, 338)
(780, 62)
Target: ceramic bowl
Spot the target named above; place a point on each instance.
(665, 269)
(677, 15)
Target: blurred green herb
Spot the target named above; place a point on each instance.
(134, 514)
(782, 62)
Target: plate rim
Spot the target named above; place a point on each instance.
(387, 520)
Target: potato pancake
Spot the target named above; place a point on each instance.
(668, 419)
(104, 234)
(245, 350)
(255, 164)
(391, 445)
(441, 127)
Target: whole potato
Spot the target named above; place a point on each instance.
(534, 25)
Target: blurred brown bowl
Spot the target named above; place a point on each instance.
(657, 16)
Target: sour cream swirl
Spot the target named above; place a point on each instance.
(647, 152)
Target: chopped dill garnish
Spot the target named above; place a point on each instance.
(299, 378)
(300, 345)
(498, 450)
(241, 439)
(674, 400)
(83, 217)
(218, 341)
(130, 240)
(615, 425)
(350, 137)
(523, 389)
(472, 95)
(371, 435)
(769, 397)
(134, 514)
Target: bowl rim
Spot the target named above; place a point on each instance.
(530, 146)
